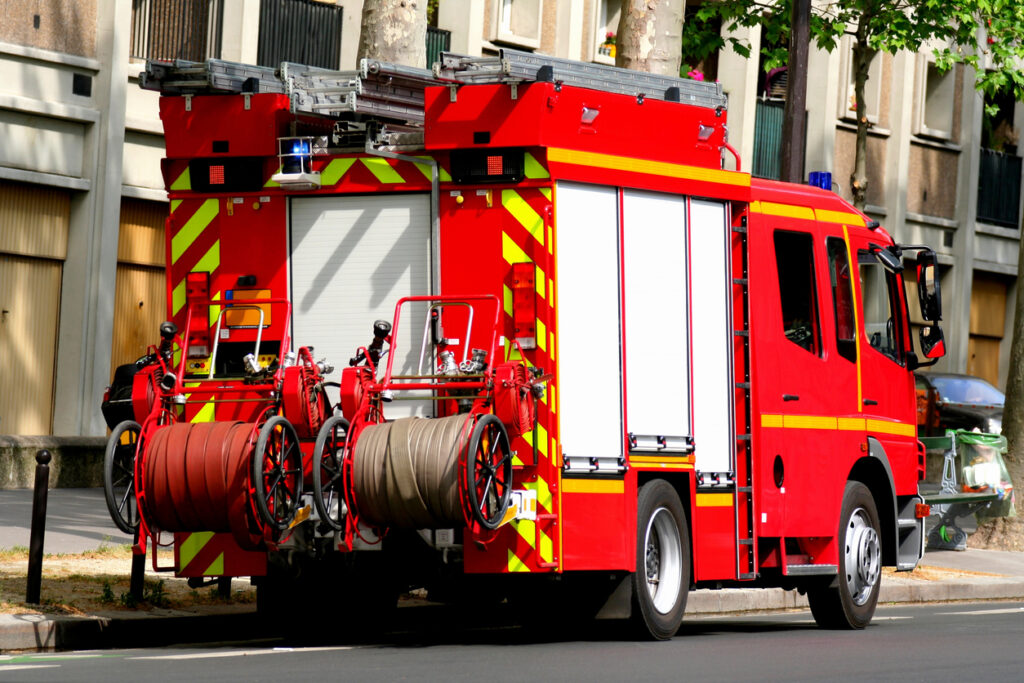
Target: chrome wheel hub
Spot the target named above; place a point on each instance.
(663, 560)
(863, 557)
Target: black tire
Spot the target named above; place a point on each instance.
(119, 476)
(489, 472)
(849, 601)
(662, 577)
(277, 473)
(328, 482)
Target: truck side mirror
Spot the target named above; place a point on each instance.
(933, 344)
(890, 261)
(928, 293)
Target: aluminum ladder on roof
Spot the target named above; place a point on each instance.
(377, 89)
(513, 66)
(214, 76)
(391, 91)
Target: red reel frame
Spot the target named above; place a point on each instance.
(303, 398)
(157, 419)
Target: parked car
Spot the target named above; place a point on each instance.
(952, 401)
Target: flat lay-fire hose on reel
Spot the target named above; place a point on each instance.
(243, 478)
(417, 473)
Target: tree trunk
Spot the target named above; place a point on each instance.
(1013, 410)
(394, 31)
(794, 123)
(650, 36)
(862, 56)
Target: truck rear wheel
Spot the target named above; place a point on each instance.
(850, 603)
(662, 577)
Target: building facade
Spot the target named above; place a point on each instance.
(82, 201)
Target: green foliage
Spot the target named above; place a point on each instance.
(107, 596)
(153, 594)
(885, 26)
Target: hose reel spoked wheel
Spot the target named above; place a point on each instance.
(488, 472)
(277, 473)
(119, 475)
(328, 480)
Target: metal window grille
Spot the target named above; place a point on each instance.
(999, 177)
(438, 41)
(177, 29)
(301, 31)
(768, 117)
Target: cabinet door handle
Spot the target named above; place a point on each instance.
(790, 397)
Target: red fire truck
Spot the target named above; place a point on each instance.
(578, 352)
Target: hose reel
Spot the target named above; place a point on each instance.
(227, 477)
(417, 473)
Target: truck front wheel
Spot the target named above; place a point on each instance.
(662, 576)
(849, 602)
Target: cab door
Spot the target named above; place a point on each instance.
(885, 384)
(797, 393)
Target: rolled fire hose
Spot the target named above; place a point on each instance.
(405, 472)
(195, 478)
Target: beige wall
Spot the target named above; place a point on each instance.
(931, 181)
(64, 25)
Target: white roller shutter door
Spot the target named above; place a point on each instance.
(352, 259)
(589, 354)
(713, 421)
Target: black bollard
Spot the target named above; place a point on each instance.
(35, 547)
(137, 585)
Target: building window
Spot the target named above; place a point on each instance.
(606, 26)
(698, 62)
(936, 95)
(794, 258)
(301, 31)
(176, 29)
(872, 89)
(518, 22)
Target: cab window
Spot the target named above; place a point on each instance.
(794, 260)
(842, 298)
(878, 292)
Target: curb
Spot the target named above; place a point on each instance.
(730, 600)
(46, 633)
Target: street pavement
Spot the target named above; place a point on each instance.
(908, 642)
(77, 521)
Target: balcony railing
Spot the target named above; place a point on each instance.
(999, 177)
(302, 31)
(768, 117)
(176, 29)
(438, 41)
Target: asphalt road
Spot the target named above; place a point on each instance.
(908, 643)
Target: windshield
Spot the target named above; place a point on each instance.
(967, 390)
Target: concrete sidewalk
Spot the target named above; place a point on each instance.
(942, 576)
(78, 521)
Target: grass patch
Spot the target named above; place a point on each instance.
(18, 552)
